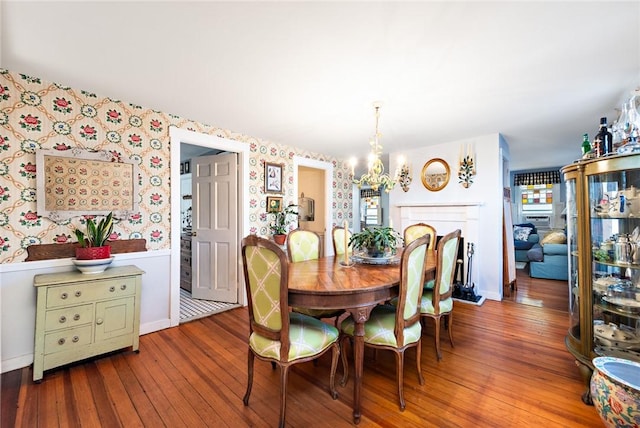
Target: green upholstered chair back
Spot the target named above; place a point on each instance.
(412, 265)
(447, 254)
(303, 245)
(338, 240)
(411, 233)
(266, 277)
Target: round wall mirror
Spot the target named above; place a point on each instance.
(435, 174)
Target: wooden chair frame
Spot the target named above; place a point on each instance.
(401, 323)
(281, 335)
(437, 296)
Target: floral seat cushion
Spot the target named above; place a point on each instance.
(308, 337)
(378, 330)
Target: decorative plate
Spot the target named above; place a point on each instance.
(388, 260)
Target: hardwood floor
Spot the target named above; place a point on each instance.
(509, 368)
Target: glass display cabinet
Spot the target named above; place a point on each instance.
(603, 236)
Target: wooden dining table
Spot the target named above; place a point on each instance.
(325, 283)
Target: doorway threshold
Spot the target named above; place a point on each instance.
(192, 309)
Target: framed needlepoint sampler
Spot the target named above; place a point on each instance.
(78, 182)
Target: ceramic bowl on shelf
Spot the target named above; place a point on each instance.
(92, 266)
(614, 336)
(615, 391)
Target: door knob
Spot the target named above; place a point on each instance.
(193, 233)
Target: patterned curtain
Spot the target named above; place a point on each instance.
(531, 178)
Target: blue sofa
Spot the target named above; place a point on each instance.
(521, 247)
(549, 261)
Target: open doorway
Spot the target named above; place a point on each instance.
(321, 173)
(207, 143)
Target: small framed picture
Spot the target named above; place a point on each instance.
(274, 204)
(181, 167)
(272, 177)
(187, 167)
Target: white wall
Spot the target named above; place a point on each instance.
(486, 192)
(18, 300)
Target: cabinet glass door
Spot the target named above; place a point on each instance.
(614, 205)
(572, 242)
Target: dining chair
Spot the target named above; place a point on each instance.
(277, 335)
(397, 327)
(417, 230)
(338, 237)
(304, 245)
(437, 301)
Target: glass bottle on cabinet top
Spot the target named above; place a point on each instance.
(603, 235)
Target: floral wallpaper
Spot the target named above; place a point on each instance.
(36, 114)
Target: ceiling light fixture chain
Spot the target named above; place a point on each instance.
(375, 177)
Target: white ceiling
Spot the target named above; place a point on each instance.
(306, 74)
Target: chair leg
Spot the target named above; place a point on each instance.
(400, 375)
(450, 327)
(345, 366)
(335, 353)
(284, 374)
(419, 361)
(437, 337)
(250, 378)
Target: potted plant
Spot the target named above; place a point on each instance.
(376, 241)
(93, 242)
(279, 226)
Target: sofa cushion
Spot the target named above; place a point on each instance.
(521, 233)
(523, 245)
(555, 249)
(535, 253)
(557, 237)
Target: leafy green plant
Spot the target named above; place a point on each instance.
(96, 234)
(279, 225)
(376, 240)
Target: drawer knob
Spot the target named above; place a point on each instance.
(99, 321)
(75, 339)
(76, 317)
(61, 341)
(63, 319)
(78, 293)
(112, 288)
(64, 295)
(123, 287)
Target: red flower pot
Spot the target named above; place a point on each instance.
(280, 239)
(93, 253)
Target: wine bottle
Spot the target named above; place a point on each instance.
(603, 141)
(586, 145)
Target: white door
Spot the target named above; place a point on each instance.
(214, 243)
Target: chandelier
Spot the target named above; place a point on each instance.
(375, 176)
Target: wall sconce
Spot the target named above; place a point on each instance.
(404, 174)
(467, 169)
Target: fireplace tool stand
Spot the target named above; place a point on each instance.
(467, 291)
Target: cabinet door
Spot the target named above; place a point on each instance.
(614, 228)
(114, 318)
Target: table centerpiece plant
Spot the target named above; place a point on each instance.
(376, 241)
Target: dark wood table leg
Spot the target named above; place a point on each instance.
(360, 316)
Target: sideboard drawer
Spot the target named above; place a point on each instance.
(66, 340)
(73, 316)
(73, 294)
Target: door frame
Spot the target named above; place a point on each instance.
(328, 194)
(182, 136)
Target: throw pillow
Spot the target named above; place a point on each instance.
(554, 238)
(521, 233)
(535, 254)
